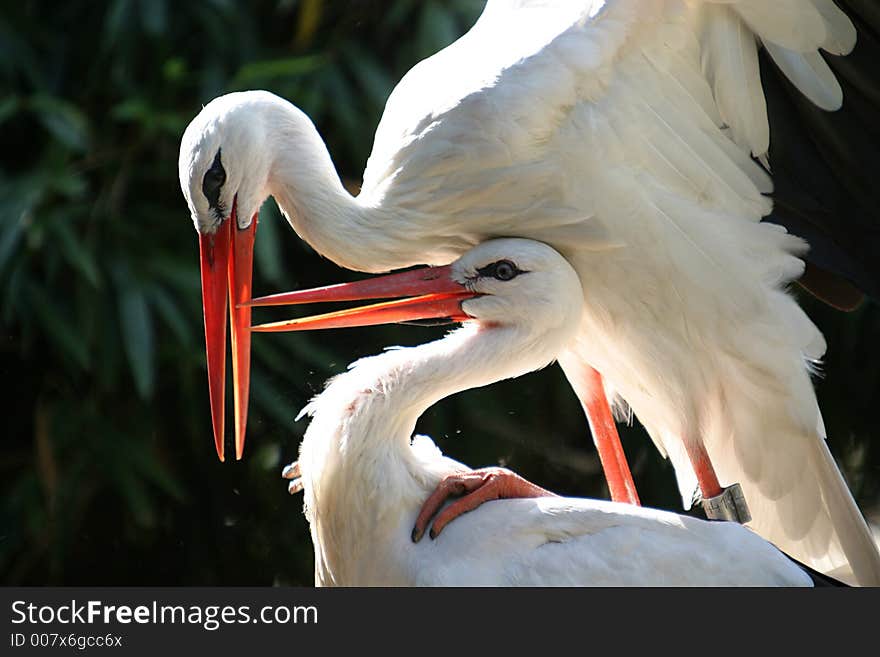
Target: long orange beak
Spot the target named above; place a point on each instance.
(434, 295)
(227, 258)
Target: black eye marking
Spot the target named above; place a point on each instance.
(212, 183)
(503, 270)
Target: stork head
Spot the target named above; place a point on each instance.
(230, 155)
(521, 283)
(225, 159)
(504, 283)
(224, 168)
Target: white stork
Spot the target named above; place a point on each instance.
(365, 477)
(619, 132)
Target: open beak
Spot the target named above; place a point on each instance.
(227, 258)
(432, 293)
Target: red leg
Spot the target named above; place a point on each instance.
(706, 477)
(587, 383)
(477, 486)
(611, 454)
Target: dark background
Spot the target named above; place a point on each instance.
(108, 470)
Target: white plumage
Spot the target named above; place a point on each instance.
(364, 482)
(619, 132)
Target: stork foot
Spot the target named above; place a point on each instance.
(292, 473)
(477, 487)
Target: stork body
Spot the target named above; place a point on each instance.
(619, 133)
(365, 477)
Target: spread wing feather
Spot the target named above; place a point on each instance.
(621, 132)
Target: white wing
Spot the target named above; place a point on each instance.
(476, 134)
(621, 134)
(580, 542)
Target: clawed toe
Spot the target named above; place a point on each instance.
(477, 487)
(292, 472)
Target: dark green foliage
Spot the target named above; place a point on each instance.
(108, 470)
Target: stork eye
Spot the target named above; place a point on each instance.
(503, 270)
(213, 181)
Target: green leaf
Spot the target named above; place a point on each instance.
(137, 331)
(150, 117)
(57, 327)
(133, 491)
(62, 119)
(344, 111)
(267, 248)
(174, 69)
(143, 462)
(118, 16)
(397, 13)
(372, 77)
(436, 29)
(271, 401)
(9, 239)
(181, 274)
(267, 69)
(18, 198)
(308, 350)
(131, 109)
(170, 313)
(154, 16)
(9, 106)
(75, 252)
(13, 291)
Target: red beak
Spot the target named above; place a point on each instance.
(227, 257)
(435, 295)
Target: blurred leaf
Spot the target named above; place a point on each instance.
(309, 19)
(135, 494)
(61, 118)
(18, 197)
(266, 70)
(154, 16)
(118, 15)
(12, 295)
(174, 69)
(17, 55)
(77, 254)
(57, 327)
(9, 106)
(169, 312)
(308, 350)
(153, 119)
(371, 76)
(183, 275)
(137, 331)
(267, 249)
(132, 109)
(397, 14)
(10, 237)
(143, 463)
(436, 28)
(271, 400)
(344, 112)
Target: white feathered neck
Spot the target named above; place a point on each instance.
(360, 473)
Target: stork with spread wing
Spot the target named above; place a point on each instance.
(629, 135)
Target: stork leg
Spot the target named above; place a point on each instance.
(477, 487)
(587, 383)
(706, 477)
(718, 503)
